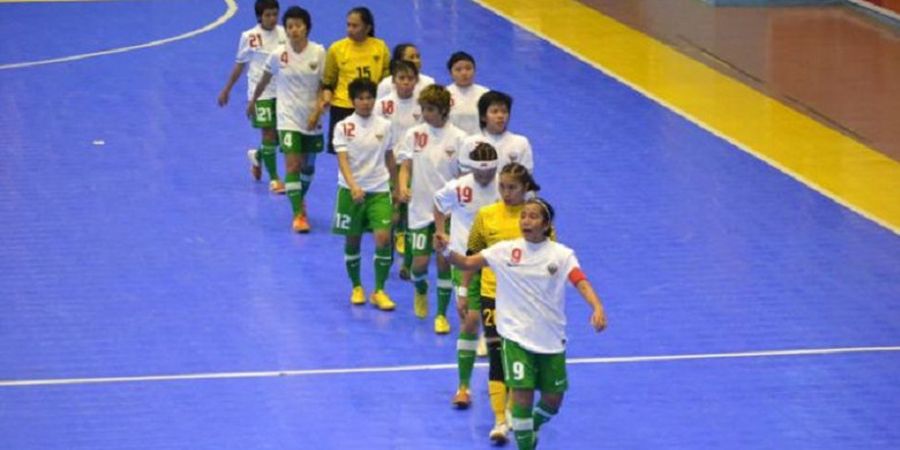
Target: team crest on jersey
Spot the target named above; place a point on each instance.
(552, 268)
(313, 65)
(514, 158)
(449, 151)
(377, 58)
(418, 117)
(379, 136)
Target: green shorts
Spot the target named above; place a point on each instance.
(352, 219)
(473, 290)
(265, 114)
(421, 239)
(523, 369)
(297, 142)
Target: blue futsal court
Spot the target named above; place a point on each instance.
(153, 295)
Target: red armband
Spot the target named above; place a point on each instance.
(576, 276)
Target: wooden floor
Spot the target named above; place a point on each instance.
(834, 63)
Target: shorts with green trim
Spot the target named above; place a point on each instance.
(473, 290)
(353, 219)
(265, 114)
(421, 238)
(297, 142)
(523, 369)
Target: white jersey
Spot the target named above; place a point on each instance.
(462, 198)
(254, 49)
(434, 153)
(297, 78)
(403, 113)
(365, 140)
(531, 284)
(386, 86)
(464, 106)
(511, 148)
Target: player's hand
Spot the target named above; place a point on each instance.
(313, 121)
(403, 194)
(223, 98)
(462, 307)
(357, 194)
(251, 109)
(439, 236)
(440, 242)
(598, 319)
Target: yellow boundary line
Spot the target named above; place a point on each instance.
(855, 176)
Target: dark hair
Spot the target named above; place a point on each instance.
(366, 16)
(397, 54)
(457, 57)
(547, 212)
(489, 98)
(522, 175)
(262, 5)
(483, 152)
(361, 85)
(403, 66)
(437, 96)
(296, 12)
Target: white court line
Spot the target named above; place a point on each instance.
(700, 123)
(228, 14)
(428, 367)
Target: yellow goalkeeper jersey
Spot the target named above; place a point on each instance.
(347, 60)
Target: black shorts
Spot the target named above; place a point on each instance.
(335, 115)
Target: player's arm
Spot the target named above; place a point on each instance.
(319, 109)
(473, 262)
(232, 79)
(329, 76)
(260, 88)
(598, 317)
(385, 63)
(344, 165)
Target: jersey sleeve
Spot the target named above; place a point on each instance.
(384, 88)
(571, 268)
(243, 53)
(445, 197)
(330, 75)
(527, 159)
(403, 149)
(385, 61)
(339, 140)
(477, 239)
(272, 62)
(493, 255)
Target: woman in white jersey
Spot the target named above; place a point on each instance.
(531, 274)
(462, 198)
(400, 106)
(254, 48)
(428, 153)
(361, 142)
(464, 92)
(297, 68)
(494, 110)
(409, 53)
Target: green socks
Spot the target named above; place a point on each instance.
(268, 158)
(294, 192)
(382, 265)
(444, 291)
(465, 356)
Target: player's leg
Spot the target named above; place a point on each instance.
(265, 121)
(496, 386)
(553, 382)
(421, 249)
(520, 369)
(379, 210)
(467, 342)
(348, 221)
(291, 146)
(312, 146)
(444, 291)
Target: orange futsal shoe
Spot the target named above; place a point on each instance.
(277, 187)
(300, 225)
